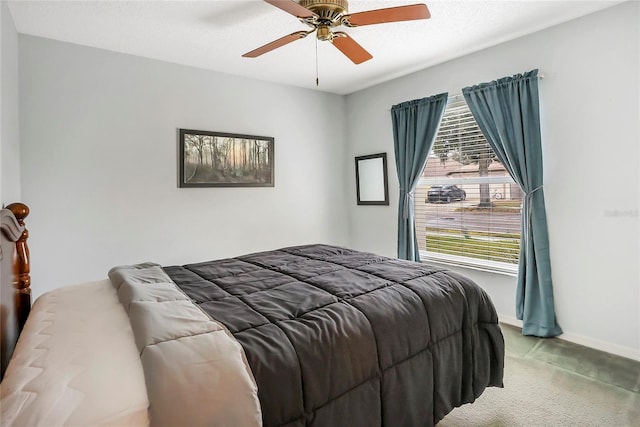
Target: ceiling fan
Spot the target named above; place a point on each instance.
(323, 15)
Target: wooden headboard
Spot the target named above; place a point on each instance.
(15, 296)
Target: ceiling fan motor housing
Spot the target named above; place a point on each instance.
(328, 10)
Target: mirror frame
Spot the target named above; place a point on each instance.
(367, 171)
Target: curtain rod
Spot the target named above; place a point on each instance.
(459, 95)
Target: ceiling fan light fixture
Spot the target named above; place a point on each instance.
(324, 33)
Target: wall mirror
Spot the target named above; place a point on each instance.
(371, 179)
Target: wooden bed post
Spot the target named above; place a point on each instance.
(15, 291)
(21, 267)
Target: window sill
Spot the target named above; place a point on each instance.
(464, 262)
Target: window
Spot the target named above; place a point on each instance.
(468, 208)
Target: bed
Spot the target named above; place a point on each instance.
(312, 335)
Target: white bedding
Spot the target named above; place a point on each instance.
(78, 361)
(75, 363)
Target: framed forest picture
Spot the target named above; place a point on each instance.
(217, 159)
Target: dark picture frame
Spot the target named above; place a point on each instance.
(372, 184)
(220, 159)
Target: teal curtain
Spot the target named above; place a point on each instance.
(415, 126)
(508, 113)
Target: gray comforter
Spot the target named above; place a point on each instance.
(336, 337)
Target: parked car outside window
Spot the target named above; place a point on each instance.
(445, 193)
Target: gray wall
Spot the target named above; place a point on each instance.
(590, 109)
(99, 147)
(9, 123)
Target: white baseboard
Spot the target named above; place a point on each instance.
(608, 347)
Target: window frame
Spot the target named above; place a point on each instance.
(459, 260)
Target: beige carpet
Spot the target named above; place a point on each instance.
(538, 393)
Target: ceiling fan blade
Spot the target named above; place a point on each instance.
(292, 7)
(350, 48)
(391, 14)
(277, 43)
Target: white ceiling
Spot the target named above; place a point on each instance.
(214, 34)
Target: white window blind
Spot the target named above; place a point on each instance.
(468, 208)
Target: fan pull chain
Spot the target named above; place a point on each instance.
(317, 79)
